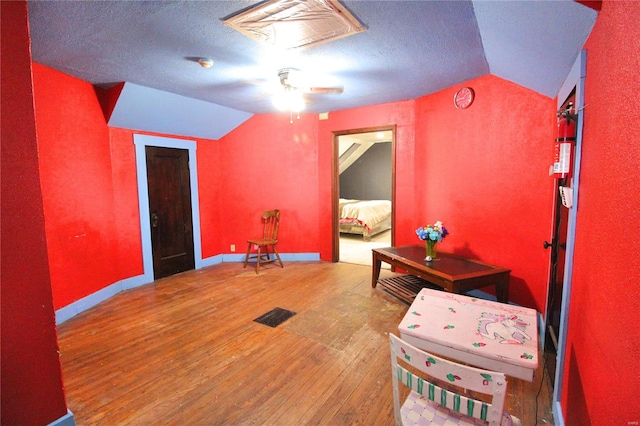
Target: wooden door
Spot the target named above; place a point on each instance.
(170, 210)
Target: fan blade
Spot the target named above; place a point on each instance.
(314, 90)
(299, 80)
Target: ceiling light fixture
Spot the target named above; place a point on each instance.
(291, 24)
(289, 99)
(205, 62)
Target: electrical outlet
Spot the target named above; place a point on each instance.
(233, 248)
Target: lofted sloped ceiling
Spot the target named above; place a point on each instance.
(409, 49)
(353, 146)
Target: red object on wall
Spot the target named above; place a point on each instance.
(563, 145)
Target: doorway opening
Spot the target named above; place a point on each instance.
(363, 192)
(558, 246)
(557, 314)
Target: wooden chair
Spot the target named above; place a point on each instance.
(270, 220)
(440, 395)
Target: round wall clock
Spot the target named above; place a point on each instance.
(464, 97)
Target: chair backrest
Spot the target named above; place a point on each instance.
(271, 220)
(444, 382)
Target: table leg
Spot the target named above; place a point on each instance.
(502, 290)
(375, 270)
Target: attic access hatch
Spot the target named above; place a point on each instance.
(291, 24)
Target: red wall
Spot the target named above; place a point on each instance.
(212, 214)
(32, 390)
(126, 233)
(484, 171)
(602, 377)
(78, 188)
(268, 163)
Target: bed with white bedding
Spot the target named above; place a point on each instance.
(364, 217)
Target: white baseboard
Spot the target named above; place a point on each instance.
(66, 420)
(558, 418)
(99, 296)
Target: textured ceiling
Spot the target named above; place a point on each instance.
(410, 48)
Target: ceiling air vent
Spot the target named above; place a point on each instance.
(291, 24)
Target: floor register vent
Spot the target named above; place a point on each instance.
(275, 317)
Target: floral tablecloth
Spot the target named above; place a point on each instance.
(488, 329)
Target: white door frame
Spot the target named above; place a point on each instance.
(575, 79)
(141, 142)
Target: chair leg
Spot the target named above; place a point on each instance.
(246, 259)
(260, 254)
(258, 260)
(278, 256)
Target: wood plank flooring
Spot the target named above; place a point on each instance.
(185, 350)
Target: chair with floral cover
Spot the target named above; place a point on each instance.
(439, 390)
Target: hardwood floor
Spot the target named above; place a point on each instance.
(186, 351)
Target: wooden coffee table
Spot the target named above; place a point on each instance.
(452, 273)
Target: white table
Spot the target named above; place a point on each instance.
(486, 334)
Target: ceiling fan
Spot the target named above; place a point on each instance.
(292, 78)
(295, 84)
